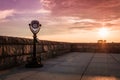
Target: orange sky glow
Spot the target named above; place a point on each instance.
(62, 20)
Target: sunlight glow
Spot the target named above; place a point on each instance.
(101, 78)
(103, 32)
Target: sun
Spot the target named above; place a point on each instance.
(103, 32)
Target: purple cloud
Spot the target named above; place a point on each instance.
(19, 4)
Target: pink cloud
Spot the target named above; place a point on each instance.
(6, 13)
(97, 9)
(100, 11)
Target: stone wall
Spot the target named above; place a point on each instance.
(96, 47)
(15, 51)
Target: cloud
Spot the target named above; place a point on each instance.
(22, 15)
(84, 14)
(5, 13)
(20, 4)
(96, 9)
(85, 25)
(109, 3)
(43, 11)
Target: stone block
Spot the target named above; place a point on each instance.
(28, 49)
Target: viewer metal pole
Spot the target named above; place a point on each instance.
(34, 27)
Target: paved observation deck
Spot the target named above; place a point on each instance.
(71, 66)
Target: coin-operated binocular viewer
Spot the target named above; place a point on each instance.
(35, 28)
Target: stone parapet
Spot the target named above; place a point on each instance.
(15, 51)
(96, 47)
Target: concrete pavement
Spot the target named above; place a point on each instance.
(72, 66)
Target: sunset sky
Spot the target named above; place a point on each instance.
(62, 20)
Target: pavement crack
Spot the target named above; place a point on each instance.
(115, 58)
(87, 66)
